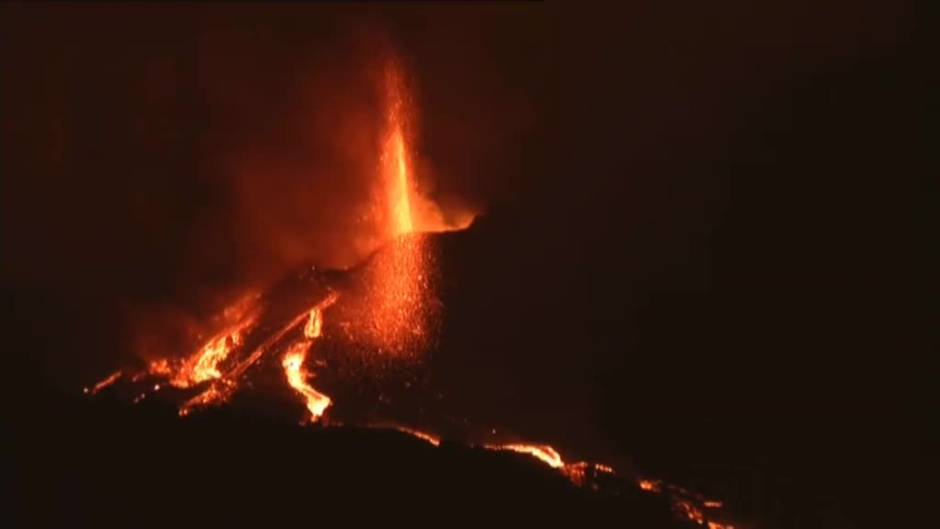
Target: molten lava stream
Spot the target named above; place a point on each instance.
(418, 434)
(293, 364)
(111, 379)
(293, 361)
(544, 453)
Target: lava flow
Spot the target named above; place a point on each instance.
(544, 453)
(293, 361)
(111, 379)
(686, 504)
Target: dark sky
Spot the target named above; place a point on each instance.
(701, 239)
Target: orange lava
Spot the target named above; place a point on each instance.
(689, 511)
(424, 436)
(687, 505)
(205, 364)
(213, 395)
(293, 361)
(716, 525)
(111, 379)
(578, 473)
(293, 364)
(545, 453)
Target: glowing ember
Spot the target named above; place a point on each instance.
(111, 379)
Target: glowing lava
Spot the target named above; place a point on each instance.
(395, 167)
(685, 504)
(293, 364)
(204, 364)
(293, 361)
(424, 436)
(577, 473)
(111, 379)
(545, 453)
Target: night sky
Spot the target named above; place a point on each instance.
(702, 239)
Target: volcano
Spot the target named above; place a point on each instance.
(345, 349)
